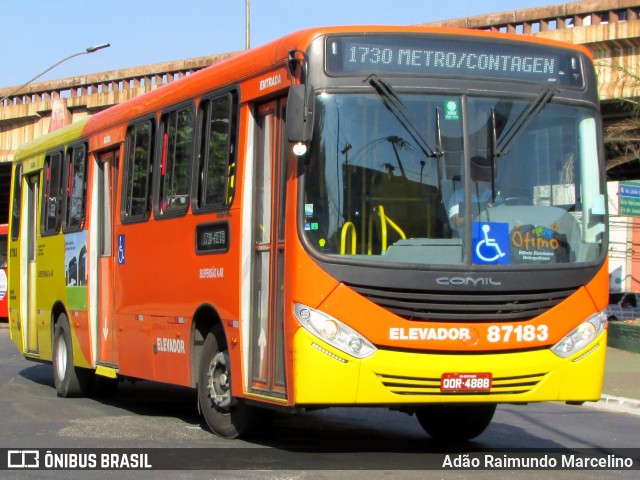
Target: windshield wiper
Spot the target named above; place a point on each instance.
(534, 108)
(403, 114)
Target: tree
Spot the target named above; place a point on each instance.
(622, 129)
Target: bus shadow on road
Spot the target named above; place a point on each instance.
(354, 430)
(39, 373)
(335, 430)
(140, 397)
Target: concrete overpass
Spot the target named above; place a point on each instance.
(44, 106)
(610, 28)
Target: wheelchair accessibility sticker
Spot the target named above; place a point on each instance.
(490, 242)
(120, 249)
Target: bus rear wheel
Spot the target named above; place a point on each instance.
(456, 422)
(70, 381)
(225, 415)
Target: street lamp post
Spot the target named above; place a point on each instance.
(247, 29)
(95, 48)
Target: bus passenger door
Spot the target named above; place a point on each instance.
(29, 300)
(107, 168)
(267, 371)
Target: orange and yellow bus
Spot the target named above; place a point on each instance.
(400, 217)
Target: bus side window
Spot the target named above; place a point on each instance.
(52, 196)
(216, 164)
(174, 162)
(17, 202)
(75, 187)
(136, 190)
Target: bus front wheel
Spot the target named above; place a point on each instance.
(70, 381)
(456, 422)
(226, 416)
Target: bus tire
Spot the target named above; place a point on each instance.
(456, 422)
(70, 381)
(225, 415)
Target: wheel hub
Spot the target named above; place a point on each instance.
(219, 381)
(61, 359)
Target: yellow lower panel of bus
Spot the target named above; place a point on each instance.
(324, 375)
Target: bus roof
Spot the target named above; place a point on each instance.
(51, 140)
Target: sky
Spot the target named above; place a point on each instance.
(38, 33)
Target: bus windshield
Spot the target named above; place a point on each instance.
(483, 180)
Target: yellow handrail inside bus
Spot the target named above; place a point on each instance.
(231, 183)
(384, 220)
(348, 228)
(370, 235)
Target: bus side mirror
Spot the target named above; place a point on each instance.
(300, 113)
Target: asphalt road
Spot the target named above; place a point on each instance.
(336, 443)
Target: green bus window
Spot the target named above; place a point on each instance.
(17, 202)
(76, 187)
(52, 194)
(137, 181)
(216, 160)
(175, 161)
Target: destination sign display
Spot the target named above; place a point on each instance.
(452, 57)
(212, 237)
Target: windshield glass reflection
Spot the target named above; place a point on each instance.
(376, 191)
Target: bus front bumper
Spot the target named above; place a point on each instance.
(324, 375)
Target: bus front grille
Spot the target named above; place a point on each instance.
(422, 305)
(425, 386)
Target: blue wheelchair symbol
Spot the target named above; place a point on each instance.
(120, 249)
(490, 243)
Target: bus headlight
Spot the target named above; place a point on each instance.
(333, 331)
(581, 336)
